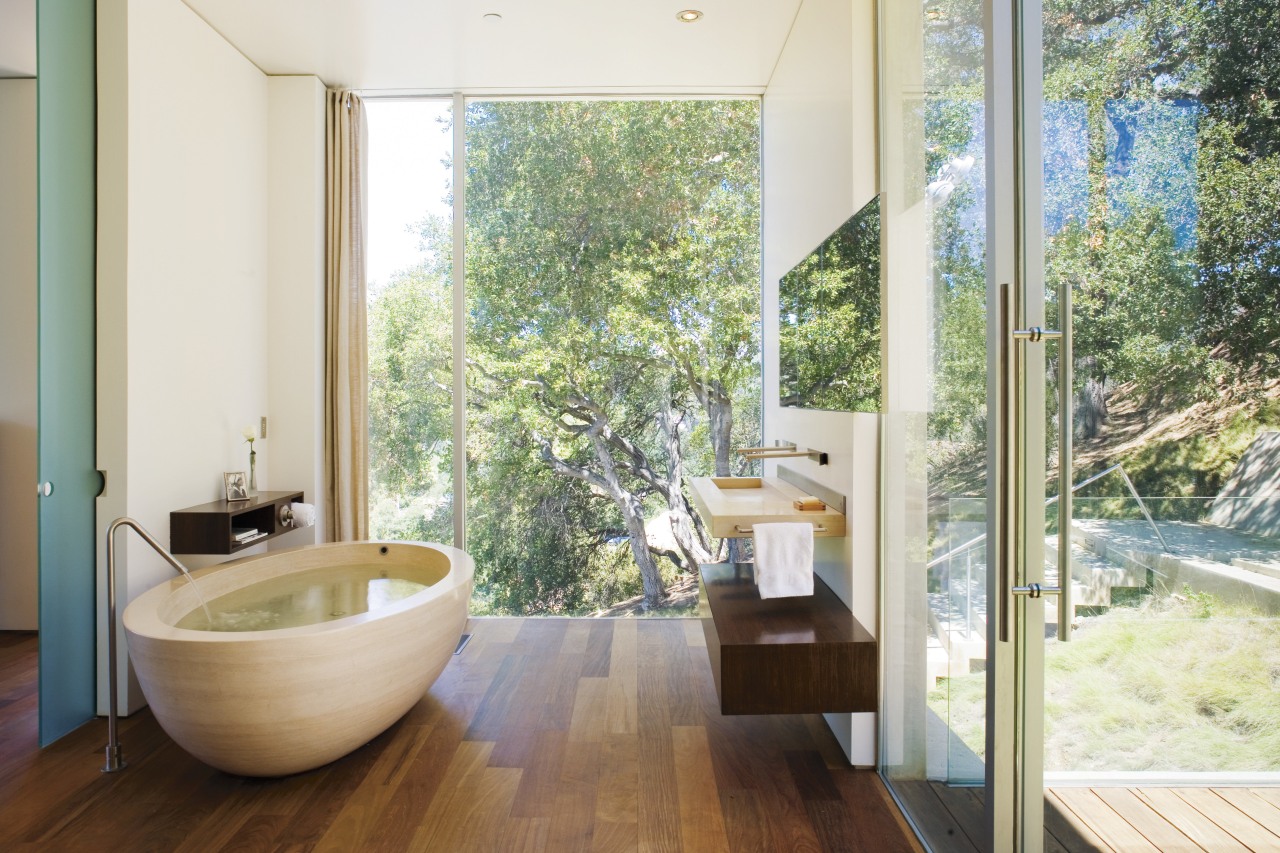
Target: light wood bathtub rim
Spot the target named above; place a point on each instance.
(146, 615)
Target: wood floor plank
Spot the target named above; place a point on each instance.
(1154, 827)
(622, 705)
(659, 811)
(877, 823)
(674, 769)
(745, 823)
(577, 635)
(540, 780)
(932, 817)
(1113, 829)
(701, 821)
(589, 704)
(618, 782)
(460, 779)
(573, 822)
(965, 809)
(1239, 825)
(693, 634)
(518, 734)
(1193, 824)
(361, 814)
(525, 835)
(599, 650)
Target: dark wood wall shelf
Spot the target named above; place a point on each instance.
(206, 529)
(802, 655)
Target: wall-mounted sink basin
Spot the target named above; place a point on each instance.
(731, 506)
(738, 482)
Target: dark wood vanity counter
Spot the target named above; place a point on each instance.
(800, 655)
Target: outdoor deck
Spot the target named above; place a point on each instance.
(1215, 820)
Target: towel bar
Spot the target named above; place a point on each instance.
(817, 528)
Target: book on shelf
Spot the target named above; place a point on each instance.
(254, 538)
(241, 534)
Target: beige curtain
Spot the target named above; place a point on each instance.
(346, 375)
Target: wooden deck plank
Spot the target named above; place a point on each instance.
(1239, 825)
(1153, 826)
(1196, 826)
(1113, 829)
(1067, 829)
(1258, 808)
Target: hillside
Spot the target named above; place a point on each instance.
(1169, 448)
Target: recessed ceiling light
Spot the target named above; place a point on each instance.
(492, 17)
(688, 16)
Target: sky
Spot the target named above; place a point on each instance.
(408, 178)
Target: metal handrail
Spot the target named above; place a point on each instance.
(115, 758)
(1050, 501)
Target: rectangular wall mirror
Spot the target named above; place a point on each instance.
(829, 321)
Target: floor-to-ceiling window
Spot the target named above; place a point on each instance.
(612, 348)
(410, 317)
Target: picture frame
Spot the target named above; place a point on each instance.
(236, 486)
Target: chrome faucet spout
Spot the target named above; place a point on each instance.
(115, 756)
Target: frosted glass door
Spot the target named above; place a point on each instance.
(68, 479)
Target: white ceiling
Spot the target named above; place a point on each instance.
(538, 45)
(446, 45)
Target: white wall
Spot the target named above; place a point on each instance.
(188, 206)
(819, 167)
(295, 263)
(18, 416)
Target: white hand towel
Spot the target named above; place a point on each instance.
(784, 559)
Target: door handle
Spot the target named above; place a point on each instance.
(1035, 590)
(1036, 334)
(44, 489)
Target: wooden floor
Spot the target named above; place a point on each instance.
(544, 734)
(1113, 819)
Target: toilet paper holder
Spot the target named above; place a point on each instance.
(296, 514)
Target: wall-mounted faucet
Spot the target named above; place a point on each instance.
(784, 450)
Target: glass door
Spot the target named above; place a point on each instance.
(1159, 178)
(964, 585)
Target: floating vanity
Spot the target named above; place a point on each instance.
(731, 506)
(803, 655)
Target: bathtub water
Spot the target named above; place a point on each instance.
(334, 643)
(304, 598)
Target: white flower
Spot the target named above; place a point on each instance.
(249, 433)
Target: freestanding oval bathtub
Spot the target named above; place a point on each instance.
(280, 701)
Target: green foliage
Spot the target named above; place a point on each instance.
(410, 407)
(1135, 303)
(829, 327)
(1240, 248)
(612, 344)
(1202, 603)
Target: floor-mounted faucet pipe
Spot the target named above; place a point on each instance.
(115, 757)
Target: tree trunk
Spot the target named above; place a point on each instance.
(633, 515)
(719, 408)
(691, 541)
(1091, 410)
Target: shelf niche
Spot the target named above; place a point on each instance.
(206, 529)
